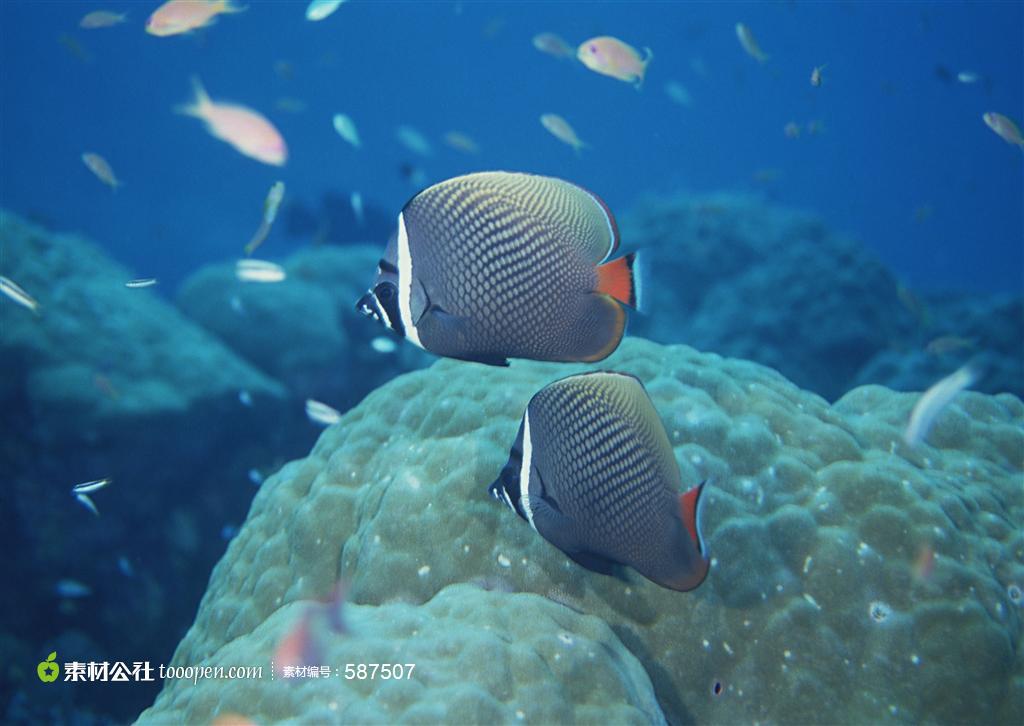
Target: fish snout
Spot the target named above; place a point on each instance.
(367, 305)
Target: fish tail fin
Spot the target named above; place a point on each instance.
(618, 279)
(690, 507)
(200, 101)
(648, 57)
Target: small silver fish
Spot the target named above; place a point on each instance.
(90, 486)
(259, 271)
(124, 565)
(816, 77)
(255, 477)
(967, 77)
(383, 345)
(86, 501)
(321, 413)
(356, 200)
(141, 282)
(934, 400)
(11, 289)
(413, 140)
(270, 206)
(245, 398)
(346, 129)
(750, 44)
(72, 588)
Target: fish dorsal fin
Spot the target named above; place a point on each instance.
(575, 214)
(689, 510)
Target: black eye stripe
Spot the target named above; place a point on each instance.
(386, 266)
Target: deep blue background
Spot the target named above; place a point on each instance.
(897, 138)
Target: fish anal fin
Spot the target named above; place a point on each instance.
(616, 278)
(602, 324)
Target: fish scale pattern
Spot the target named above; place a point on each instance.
(604, 463)
(525, 249)
(816, 518)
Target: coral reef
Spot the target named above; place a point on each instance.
(303, 331)
(734, 275)
(844, 562)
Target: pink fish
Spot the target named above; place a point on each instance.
(175, 17)
(246, 130)
(611, 57)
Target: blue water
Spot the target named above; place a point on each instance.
(899, 142)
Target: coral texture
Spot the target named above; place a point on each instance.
(853, 579)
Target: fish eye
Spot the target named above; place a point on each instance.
(384, 292)
(593, 48)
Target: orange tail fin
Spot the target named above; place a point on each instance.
(616, 278)
(689, 511)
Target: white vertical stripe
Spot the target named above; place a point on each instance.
(607, 221)
(405, 283)
(524, 472)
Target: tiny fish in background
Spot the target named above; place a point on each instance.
(792, 130)
(413, 140)
(99, 166)
(245, 398)
(346, 129)
(611, 57)
(967, 77)
(302, 645)
(461, 142)
(934, 400)
(521, 269)
(320, 9)
(561, 130)
(255, 477)
(90, 486)
(236, 305)
(949, 344)
(270, 206)
(1003, 126)
(355, 200)
(816, 77)
(248, 131)
(86, 501)
(259, 271)
(749, 43)
(141, 282)
(11, 289)
(72, 589)
(101, 19)
(383, 345)
(593, 472)
(183, 16)
(677, 93)
(124, 565)
(321, 413)
(553, 45)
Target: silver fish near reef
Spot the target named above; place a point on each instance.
(934, 400)
(141, 283)
(592, 470)
(498, 265)
(12, 290)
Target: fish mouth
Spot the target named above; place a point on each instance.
(368, 306)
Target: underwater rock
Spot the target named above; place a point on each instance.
(108, 381)
(872, 583)
(304, 331)
(731, 274)
(478, 657)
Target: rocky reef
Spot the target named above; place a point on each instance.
(844, 563)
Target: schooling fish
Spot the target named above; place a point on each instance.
(611, 57)
(183, 16)
(593, 472)
(498, 265)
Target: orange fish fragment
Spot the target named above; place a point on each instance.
(175, 17)
(248, 131)
(611, 57)
(99, 166)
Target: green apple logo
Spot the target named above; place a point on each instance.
(48, 670)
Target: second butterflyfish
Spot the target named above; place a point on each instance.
(497, 265)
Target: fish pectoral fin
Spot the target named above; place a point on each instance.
(452, 328)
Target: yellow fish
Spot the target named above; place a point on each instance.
(750, 44)
(611, 57)
(562, 131)
(1003, 126)
(175, 17)
(99, 166)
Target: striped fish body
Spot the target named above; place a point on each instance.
(500, 265)
(593, 472)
